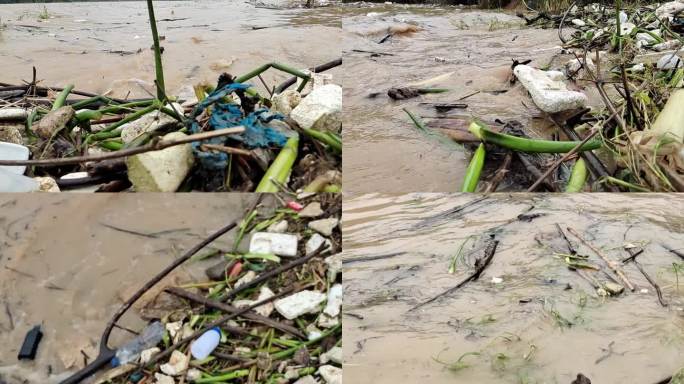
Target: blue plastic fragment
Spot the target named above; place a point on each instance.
(226, 115)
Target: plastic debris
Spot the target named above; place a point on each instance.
(308, 379)
(205, 344)
(161, 171)
(286, 101)
(324, 226)
(11, 182)
(47, 184)
(266, 309)
(331, 374)
(163, 379)
(670, 61)
(325, 321)
(278, 227)
(13, 114)
(10, 151)
(300, 303)
(147, 354)
(226, 115)
(29, 347)
(246, 278)
(193, 374)
(148, 123)
(334, 264)
(334, 304)
(148, 338)
(549, 94)
(669, 10)
(315, 242)
(280, 244)
(177, 364)
(321, 109)
(334, 355)
(312, 210)
(295, 206)
(174, 330)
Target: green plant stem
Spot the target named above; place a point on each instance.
(578, 177)
(325, 138)
(161, 93)
(126, 107)
(625, 184)
(528, 145)
(291, 351)
(112, 131)
(280, 168)
(111, 145)
(421, 126)
(88, 114)
(332, 188)
(224, 378)
(432, 90)
(472, 177)
(61, 98)
(282, 67)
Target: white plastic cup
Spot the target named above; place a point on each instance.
(205, 344)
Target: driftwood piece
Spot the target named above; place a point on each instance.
(611, 263)
(480, 265)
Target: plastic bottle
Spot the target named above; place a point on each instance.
(148, 338)
(205, 344)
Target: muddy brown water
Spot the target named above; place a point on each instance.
(61, 266)
(463, 49)
(78, 43)
(510, 324)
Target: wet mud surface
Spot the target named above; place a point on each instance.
(528, 318)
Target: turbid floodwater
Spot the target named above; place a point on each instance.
(528, 318)
(465, 50)
(105, 46)
(67, 263)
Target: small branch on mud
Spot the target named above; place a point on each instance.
(500, 173)
(152, 146)
(634, 252)
(571, 248)
(675, 252)
(480, 265)
(128, 231)
(611, 264)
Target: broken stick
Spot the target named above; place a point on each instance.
(611, 264)
(480, 265)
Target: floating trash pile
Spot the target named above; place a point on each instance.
(227, 138)
(630, 60)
